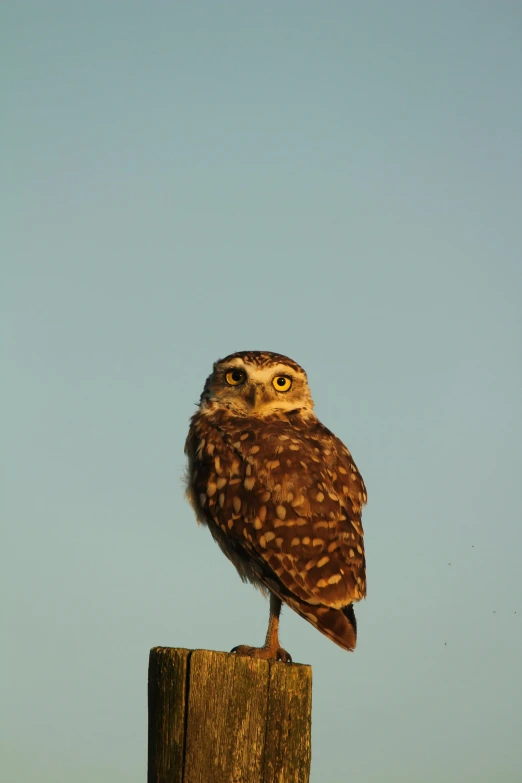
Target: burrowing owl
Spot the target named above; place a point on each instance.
(280, 493)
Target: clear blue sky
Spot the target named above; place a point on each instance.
(337, 181)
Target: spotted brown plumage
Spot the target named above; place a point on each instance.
(280, 493)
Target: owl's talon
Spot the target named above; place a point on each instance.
(284, 656)
(264, 653)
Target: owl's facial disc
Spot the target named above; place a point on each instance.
(251, 389)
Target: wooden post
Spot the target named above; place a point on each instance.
(222, 718)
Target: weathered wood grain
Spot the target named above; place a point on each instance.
(222, 718)
(288, 731)
(167, 699)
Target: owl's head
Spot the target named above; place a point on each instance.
(257, 383)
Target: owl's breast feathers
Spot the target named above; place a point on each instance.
(283, 498)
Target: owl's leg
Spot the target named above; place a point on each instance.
(271, 651)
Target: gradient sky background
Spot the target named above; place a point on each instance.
(337, 181)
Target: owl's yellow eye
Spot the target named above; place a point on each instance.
(235, 377)
(282, 383)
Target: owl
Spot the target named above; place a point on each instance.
(280, 494)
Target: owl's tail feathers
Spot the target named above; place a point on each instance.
(339, 625)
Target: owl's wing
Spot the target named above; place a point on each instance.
(291, 498)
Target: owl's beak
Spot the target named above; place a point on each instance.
(255, 395)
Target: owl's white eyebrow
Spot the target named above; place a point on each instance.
(267, 373)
